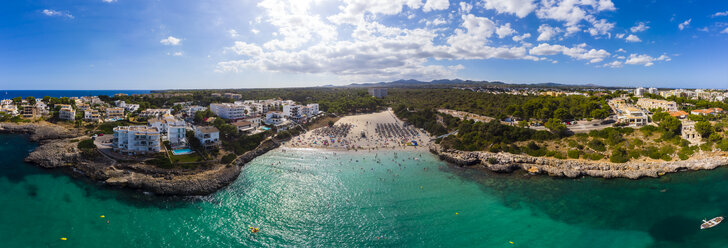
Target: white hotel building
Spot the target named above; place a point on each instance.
(137, 140)
(171, 129)
(228, 110)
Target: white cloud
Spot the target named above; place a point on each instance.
(170, 41)
(465, 7)
(620, 35)
(254, 31)
(505, 31)
(621, 50)
(233, 33)
(600, 27)
(684, 24)
(353, 44)
(641, 26)
(547, 32)
(436, 5)
(614, 64)
(176, 54)
(633, 38)
(520, 8)
(725, 31)
(605, 5)
(108, 1)
(578, 52)
(646, 60)
(704, 29)
(724, 13)
(436, 22)
(521, 37)
(50, 12)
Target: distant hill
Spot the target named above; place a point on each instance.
(460, 82)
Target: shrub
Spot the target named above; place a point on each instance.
(597, 145)
(573, 153)
(595, 156)
(492, 161)
(619, 156)
(228, 158)
(86, 144)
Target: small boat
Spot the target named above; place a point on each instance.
(711, 223)
(254, 229)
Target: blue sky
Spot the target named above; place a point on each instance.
(146, 44)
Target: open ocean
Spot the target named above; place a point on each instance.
(8, 94)
(313, 198)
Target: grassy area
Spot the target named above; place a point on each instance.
(187, 158)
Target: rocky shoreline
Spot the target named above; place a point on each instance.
(58, 149)
(506, 162)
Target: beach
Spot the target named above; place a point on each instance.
(382, 130)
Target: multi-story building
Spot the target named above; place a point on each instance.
(91, 115)
(172, 130)
(647, 103)
(310, 110)
(154, 113)
(136, 140)
(191, 110)
(378, 92)
(10, 109)
(689, 133)
(29, 111)
(208, 136)
(228, 110)
(82, 106)
(67, 113)
(274, 118)
(709, 111)
(652, 91)
(114, 113)
(632, 116)
(679, 114)
(292, 112)
(131, 107)
(244, 126)
(233, 96)
(639, 91)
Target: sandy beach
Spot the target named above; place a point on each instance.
(381, 130)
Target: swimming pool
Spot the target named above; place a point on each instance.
(265, 128)
(181, 151)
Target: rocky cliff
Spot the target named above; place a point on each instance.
(506, 162)
(58, 149)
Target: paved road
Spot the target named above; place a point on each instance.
(581, 126)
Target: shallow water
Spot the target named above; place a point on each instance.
(316, 198)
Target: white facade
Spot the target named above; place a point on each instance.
(172, 129)
(228, 110)
(208, 136)
(378, 92)
(194, 109)
(67, 113)
(153, 113)
(91, 115)
(274, 118)
(136, 139)
(639, 91)
(291, 111)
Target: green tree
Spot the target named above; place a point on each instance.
(671, 124)
(704, 128)
(30, 99)
(556, 126)
(562, 114)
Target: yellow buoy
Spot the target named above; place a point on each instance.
(456, 213)
(103, 216)
(64, 239)
(510, 242)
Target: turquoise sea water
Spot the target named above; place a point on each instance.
(315, 198)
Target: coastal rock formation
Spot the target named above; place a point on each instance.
(38, 132)
(55, 153)
(506, 162)
(58, 150)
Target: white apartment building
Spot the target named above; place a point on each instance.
(647, 103)
(311, 110)
(154, 113)
(91, 115)
(67, 113)
(274, 118)
(208, 136)
(639, 91)
(228, 110)
(378, 92)
(191, 110)
(172, 129)
(136, 140)
(292, 111)
(131, 107)
(652, 90)
(114, 113)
